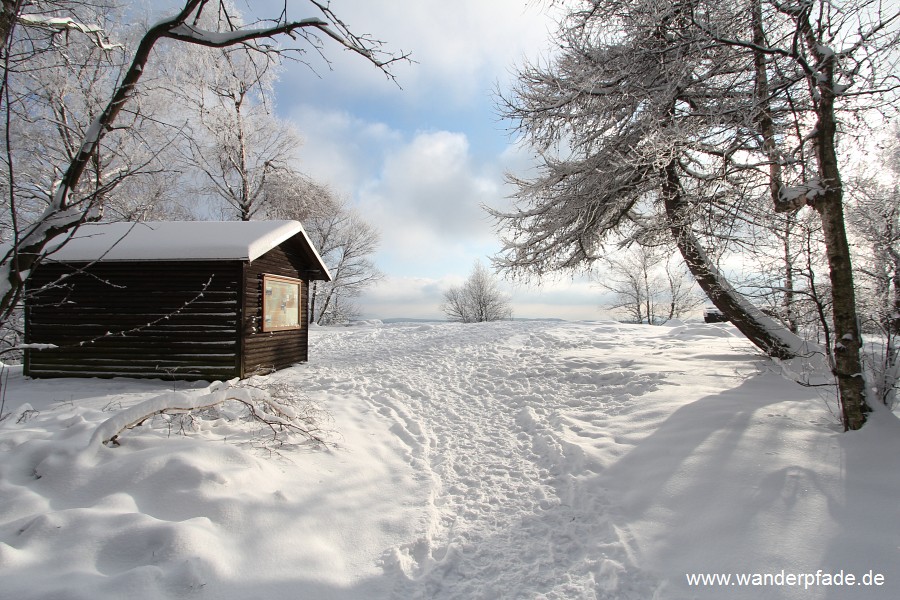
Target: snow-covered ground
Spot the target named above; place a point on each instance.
(504, 460)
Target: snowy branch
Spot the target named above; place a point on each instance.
(270, 404)
(63, 24)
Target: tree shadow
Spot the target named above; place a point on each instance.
(719, 488)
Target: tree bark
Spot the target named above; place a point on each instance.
(763, 116)
(312, 302)
(767, 335)
(894, 317)
(829, 204)
(848, 342)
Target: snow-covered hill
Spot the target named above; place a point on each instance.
(504, 460)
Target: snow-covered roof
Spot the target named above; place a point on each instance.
(180, 240)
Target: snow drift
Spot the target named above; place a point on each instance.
(507, 460)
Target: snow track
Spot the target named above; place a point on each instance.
(510, 461)
(481, 415)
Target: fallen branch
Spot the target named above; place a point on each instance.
(280, 411)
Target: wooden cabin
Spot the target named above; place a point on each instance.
(196, 300)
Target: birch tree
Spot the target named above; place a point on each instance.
(680, 115)
(233, 142)
(72, 199)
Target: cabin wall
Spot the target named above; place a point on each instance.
(159, 319)
(265, 351)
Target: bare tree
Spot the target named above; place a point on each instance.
(647, 286)
(233, 142)
(72, 200)
(681, 292)
(786, 273)
(345, 241)
(874, 219)
(350, 243)
(477, 300)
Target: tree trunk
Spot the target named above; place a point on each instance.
(893, 304)
(9, 10)
(829, 204)
(848, 342)
(787, 301)
(764, 113)
(770, 337)
(312, 301)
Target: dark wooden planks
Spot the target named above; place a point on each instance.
(168, 319)
(277, 349)
(135, 319)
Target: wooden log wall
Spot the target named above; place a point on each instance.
(267, 351)
(162, 319)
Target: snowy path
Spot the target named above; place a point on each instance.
(514, 460)
(481, 415)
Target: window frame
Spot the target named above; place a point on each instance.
(269, 278)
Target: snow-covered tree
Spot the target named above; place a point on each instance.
(345, 240)
(874, 218)
(629, 122)
(348, 242)
(59, 82)
(478, 299)
(679, 115)
(72, 189)
(233, 142)
(647, 286)
(785, 272)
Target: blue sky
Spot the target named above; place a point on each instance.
(421, 159)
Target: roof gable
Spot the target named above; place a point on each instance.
(180, 240)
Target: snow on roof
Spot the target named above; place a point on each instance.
(179, 240)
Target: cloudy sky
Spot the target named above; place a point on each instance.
(419, 157)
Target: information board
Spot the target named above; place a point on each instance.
(281, 303)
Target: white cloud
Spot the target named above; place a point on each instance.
(459, 49)
(419, 162)
(423, 192)
(340, 149)
(432, 184)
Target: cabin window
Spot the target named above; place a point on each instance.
(281, 303)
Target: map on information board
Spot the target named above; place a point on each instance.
(281, 305)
